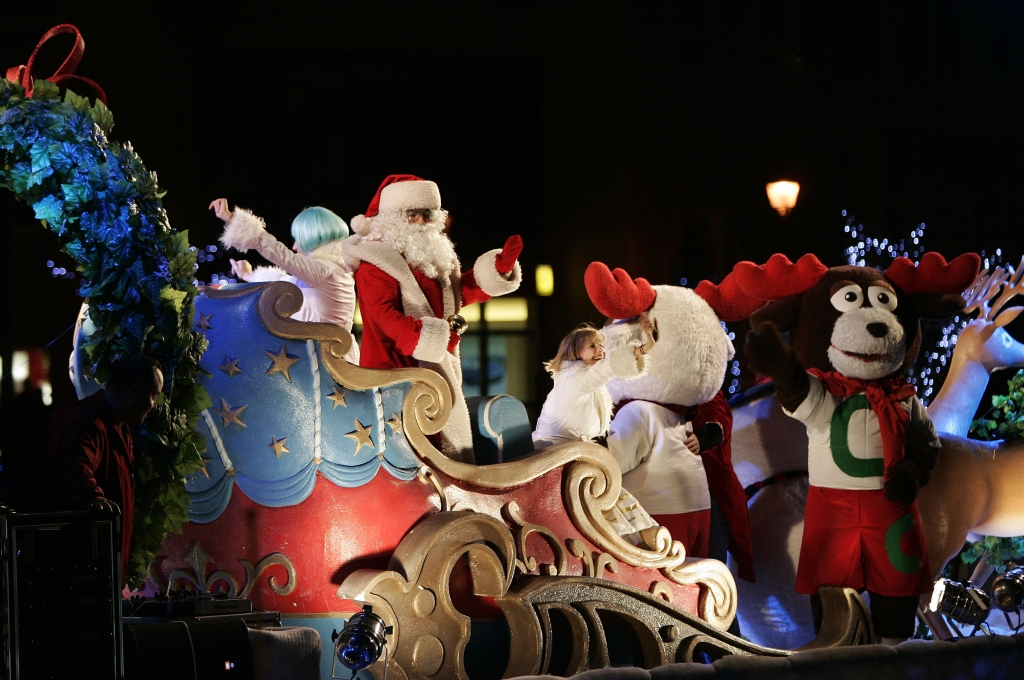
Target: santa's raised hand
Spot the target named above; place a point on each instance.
(506, 259)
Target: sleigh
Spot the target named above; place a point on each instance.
(322, 491)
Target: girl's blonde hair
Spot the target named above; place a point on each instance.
(572, 345)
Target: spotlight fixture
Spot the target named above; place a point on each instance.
(1008, 589)
(961, 602)
(361, 642)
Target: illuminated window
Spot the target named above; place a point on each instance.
(544, 277)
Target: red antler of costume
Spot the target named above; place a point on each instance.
(729, 302)
(934, 274)
(615, 294)
(779, 278)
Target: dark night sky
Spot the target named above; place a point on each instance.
(639, 134)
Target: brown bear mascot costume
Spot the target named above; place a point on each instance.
(853, 334)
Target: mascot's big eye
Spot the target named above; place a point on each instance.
(848, 298)
(882, 297)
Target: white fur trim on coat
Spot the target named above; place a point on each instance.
(433, 342)
(262, 274)
(490, 281)
(391, 262)
(422, 194)
(348, 254)
(331, 253)
(244, 230)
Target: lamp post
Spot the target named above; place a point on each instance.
(782, 195)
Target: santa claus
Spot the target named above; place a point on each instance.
(411, 288)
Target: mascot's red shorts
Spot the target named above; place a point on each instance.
(861, 540)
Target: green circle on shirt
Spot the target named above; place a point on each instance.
(840, 445)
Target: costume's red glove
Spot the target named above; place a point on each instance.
(506, 259)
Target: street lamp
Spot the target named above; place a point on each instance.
(782, 195)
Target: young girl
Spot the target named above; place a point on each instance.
(579, 408)
(316, 266)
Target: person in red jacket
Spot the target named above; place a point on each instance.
(410, 289)
(89, 462)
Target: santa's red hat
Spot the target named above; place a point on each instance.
(399, 192)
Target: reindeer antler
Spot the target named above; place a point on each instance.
(728, 300)
(750, 286)
(934, 274)
(1007, 283)
(615, 293)
(779, 278)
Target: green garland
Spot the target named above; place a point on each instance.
(1005, 420)
(105, 208)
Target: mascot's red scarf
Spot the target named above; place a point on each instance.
(884, 396)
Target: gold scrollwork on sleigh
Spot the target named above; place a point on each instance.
(525, 562)
(197, 580)
(558, 624)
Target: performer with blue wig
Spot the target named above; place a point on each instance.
(316, 265)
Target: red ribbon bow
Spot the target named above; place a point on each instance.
(23, 74)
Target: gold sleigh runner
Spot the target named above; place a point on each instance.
(430, 635)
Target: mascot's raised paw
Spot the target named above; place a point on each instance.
(765, 350)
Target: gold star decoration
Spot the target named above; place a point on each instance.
(282, 362)
(361, 436)
(395, 423)
(230, 366)
(205, 459)
(229, 414)
(204, 322)
(278, 445)
(338, 397)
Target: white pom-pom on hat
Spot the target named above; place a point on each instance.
(361, 224)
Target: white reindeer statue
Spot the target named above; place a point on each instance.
(975, 489)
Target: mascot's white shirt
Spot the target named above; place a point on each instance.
(863, 438)
(657, 468)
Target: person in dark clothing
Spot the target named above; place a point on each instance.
(89, 462)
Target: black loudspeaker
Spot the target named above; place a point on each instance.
(212, 648)
(61, 595)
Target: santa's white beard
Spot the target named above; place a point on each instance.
(425, 247)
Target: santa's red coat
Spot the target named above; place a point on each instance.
(390, 336)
